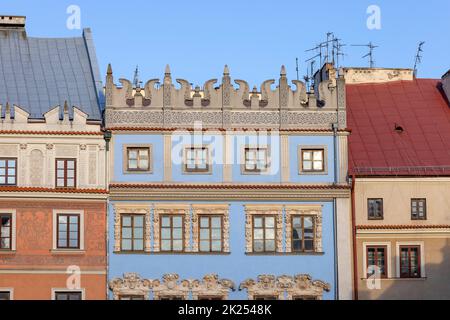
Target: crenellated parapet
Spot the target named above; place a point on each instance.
(275, 104)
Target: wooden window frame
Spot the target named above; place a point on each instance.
(305, 297)
(128, 149)
(65, 173)
(196, 170)
(6, 175)
(424, 217)
(171, 216)
(10, 216)
(377, 247)
(132, 297)
(302, 216)
(265, 297)
(264, 216)
(210, 216)
(419, 261)
(132, 216)
(381, 209)
(256, 170)
(68, 215)
(80, 293)
(312, 150)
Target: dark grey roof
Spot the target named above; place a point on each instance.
(38, 74)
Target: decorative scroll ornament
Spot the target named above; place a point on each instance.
(171, 287)
(211, 286)
(265, 285)
(130, 284)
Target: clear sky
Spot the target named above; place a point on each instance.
(253, 37)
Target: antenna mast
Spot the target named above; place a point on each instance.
(371, 47)
(296, 66)
(136, 80)
(418, 58)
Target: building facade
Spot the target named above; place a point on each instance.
(52, 168)
(400, 166)
(227, 193)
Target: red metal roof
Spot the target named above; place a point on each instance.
(376, 148)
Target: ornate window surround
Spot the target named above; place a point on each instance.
(170, 287)
(211, 286)
(131, 284)
(169, 209)
(211, 209)
(265, 285)
(263, 209)
(131, 208)
(305, 210)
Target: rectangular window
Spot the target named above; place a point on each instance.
(418, 209)
(303, 230)
(256, 160)
(70, 295)
(5, 295)
(375, 209)
(210, 233)
(68, 231)
(305, 298)
(131, 297)
(172, 232)
(65, 173)
(8, 171)
(264, 233)
(132, 232)
(313, 160)
(5, 231)
(196, 159)
(138, 159)
(261, 297)
(376, 256)
(410, 262)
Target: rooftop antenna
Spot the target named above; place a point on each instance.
(330, 37)
(318, 47)
(136, 81)
(418, 57)
(296, 67)
(337, 51)
(371, 47)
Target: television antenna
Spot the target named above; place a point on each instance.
(371, 47)
(418, 57)
(296, 67)
(136, 81)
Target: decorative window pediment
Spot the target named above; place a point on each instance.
(265, 286)
(170, 288)
(211, 287)
(131, 285)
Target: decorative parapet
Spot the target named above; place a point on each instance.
(285, 287)
(162, 105)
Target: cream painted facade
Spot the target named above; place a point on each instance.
(398, 229)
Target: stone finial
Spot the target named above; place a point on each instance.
(167, 70)
(7, 111)
(66, 111)
(226, 70)
(109, 70)
(283, 71)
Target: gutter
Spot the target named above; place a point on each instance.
(355, 255)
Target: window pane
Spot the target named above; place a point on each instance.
(132, 154)
(138, 233)
(177, 245)
(62, 219)
(126, 233)
(60, 164)
(132, 164)
(143, 164)
(62, 243)
(138, 245)
(177, 221)
(166, 233)
(270, 234)
(204, 222)
(5, 243)
(143, 153)
(317, 155)
(257, 222)
(317, 165)
(270, 222)
(216, 234)
(126, 220)
(73, 243)
(138, 221)
(70, 164)
(270, 245)
(165, 245)
(258, 245)
(216, 222)
(70, 183)
(307, 165)
(216, 245)
(177, 233)
(165, 221)
(306, 155)
(126, 244)
(258, 234)
(204, 234)
(204, 246)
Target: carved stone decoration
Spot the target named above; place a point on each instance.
(261, 209)
(265, 285)
(304, 210)
(140, 209)
(226, 87)
(49, 146)
(170, 287)
(130, 284)
(82, 147)
(265, 89)
(283, 89)
(211, 286)
(23, 146)
(171, 209)
(167, 87)
(244, 89)
(149, 87)
(210, 209)
(185, 87)
(36, 165)
(128, 87)
(303, 286)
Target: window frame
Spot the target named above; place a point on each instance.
(132, 216)
(9, 291)
(256, 171)
(65, 173)
(171, 216)
(68, 215)
(6, 175)
(132, 297)
(264, 216)
(11, 233)
(138, 159)
(419, 261)
(424, 217)
(302, 216)
(196, 170)
(265, 297)
(55, 293)
(55, 248)
(381, 210)
(312, 149)
(210, 216)
(374, 246)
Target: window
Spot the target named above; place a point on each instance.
(138, 159)
(210, 233)
(375, 209)
(172, 233)
(196, 159)
(263, 233)
(8, 171)
(305, 298)
(132, 232)
(256, 160)
(313, 160)
(171, 298)
(303, 230)
(5, 295)
(261, 297)
(70, 295)
(376, 256)
(410, 262)
(211, 298)
(418, 209)
(68, 231)
(65, 173)
(5, 231)
(131, 297)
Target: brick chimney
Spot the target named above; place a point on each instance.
(446, 84)
(12, 22)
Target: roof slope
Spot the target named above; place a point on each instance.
(38, 74)
(419, 107)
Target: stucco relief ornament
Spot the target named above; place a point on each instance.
(170, 287)
(211, 286)
(49, 146)
(23, 146)
(130, 284)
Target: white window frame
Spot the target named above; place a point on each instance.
(11, 292)
(388, 257)
(82, 290)
(12, 212)
(55, 228)
(421, 244)
(267, 149)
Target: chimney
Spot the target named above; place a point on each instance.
(12, 22)
(446, 84)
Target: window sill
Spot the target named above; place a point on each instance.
(173, 253)
(285, 253)
(7, 252)
(67, 252)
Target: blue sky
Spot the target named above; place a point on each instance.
(253, 37)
